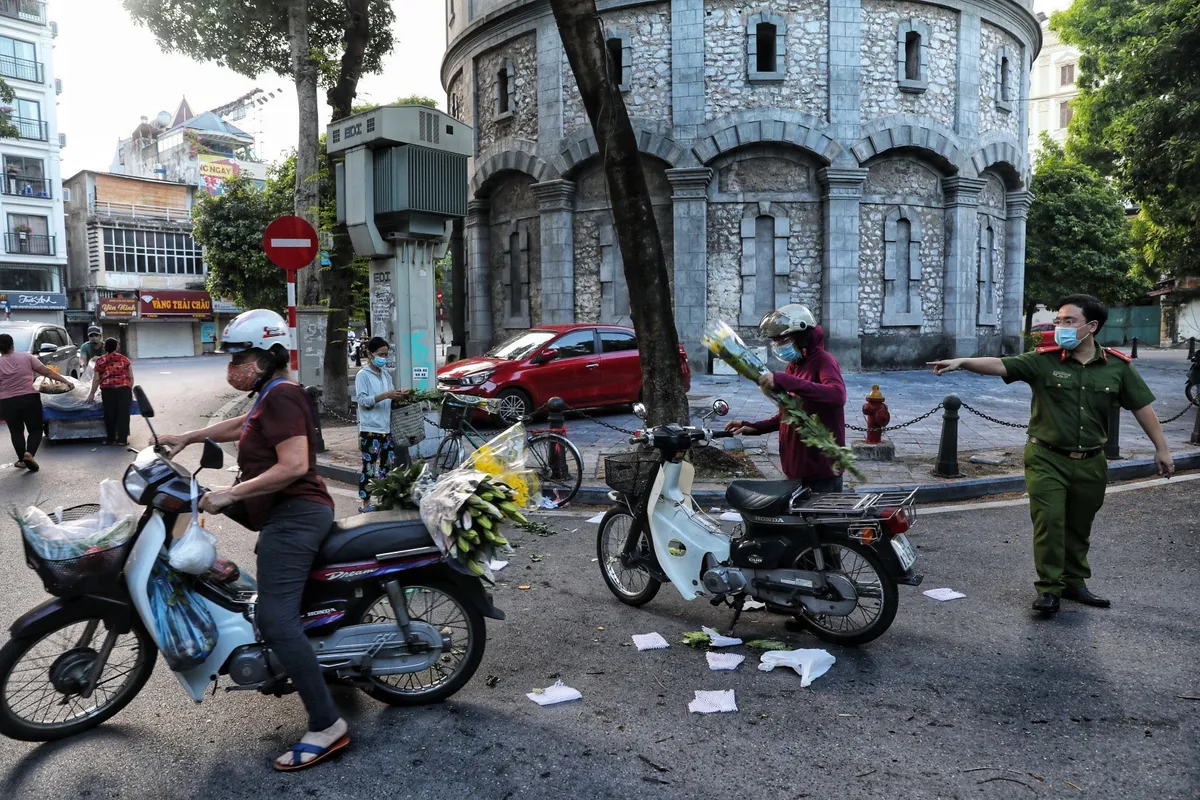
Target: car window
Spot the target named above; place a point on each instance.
(617, 341)
(521, 345)
(57, 337)
(66, 337)
(576, 343)
(21, 338)
(46, 336)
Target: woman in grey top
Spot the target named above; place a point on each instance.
(374, 393)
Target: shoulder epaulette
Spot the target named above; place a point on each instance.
(1050, 348)
(1119, 354)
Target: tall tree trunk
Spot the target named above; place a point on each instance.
(458, 289)
(337, 280)
(304, 72)
(651, 304)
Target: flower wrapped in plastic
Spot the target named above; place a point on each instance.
(724, 343)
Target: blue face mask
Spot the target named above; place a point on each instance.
(1067, 338)
(787, 352)
(379, 361)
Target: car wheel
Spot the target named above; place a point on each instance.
(515, 405)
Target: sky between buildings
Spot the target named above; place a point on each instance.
(113, 73)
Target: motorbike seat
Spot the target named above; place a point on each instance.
(364, 536)
(765, 498)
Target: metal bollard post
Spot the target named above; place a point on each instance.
(314, 393)
(556, 407)
(1133, 353)
(1112, 448)
(947, 461)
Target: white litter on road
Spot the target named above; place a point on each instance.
(596, 519)
(713, 702)
(731, 516)
(943, 594)
(495, 565)
(718, 640)
(649, 641)
(810, 664)
(552, 695)
(752, 605)
(724, 660)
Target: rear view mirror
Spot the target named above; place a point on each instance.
(720, 407)
(144, 406)
(213, 456)
(639, 411)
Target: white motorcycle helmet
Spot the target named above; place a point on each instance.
(259, 329)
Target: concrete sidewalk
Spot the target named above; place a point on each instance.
(909, 393)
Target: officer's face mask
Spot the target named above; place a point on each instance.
(1069, 338)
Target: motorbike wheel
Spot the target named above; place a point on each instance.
(441, 605)
(41, 679)
(877, 594)
(1193, 393)
(633, 587)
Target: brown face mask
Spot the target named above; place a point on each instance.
(243, 377)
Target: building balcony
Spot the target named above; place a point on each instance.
(25, 10)
(105, 208)
(36, 129)
(20, 69)
(20, 186)
(29, 244)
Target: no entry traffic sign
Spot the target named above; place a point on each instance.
(290, 243)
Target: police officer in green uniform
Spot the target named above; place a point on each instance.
(93, 347)
(1074, 384)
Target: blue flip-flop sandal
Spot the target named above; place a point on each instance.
(319, 753)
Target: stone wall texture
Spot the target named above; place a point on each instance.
(458, 100)
(881, 93)
(806, 84)
(523, 124)
(992, 118)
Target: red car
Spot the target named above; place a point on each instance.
(585, 365)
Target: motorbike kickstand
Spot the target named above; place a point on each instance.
(737, 612)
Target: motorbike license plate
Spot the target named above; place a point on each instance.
(904, 551)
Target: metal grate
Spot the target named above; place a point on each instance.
(336, 135)
(847, 504)
(371, 125)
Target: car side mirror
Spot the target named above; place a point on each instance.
(546, 356)
(213, 456)
(144, 406)
(47, 348)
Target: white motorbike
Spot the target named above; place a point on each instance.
(832, 561)
(383, 610)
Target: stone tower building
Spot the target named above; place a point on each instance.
(864, 157)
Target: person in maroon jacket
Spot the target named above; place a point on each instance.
(813, 376)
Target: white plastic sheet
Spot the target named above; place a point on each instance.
(713, 702)
(809, 664)
(718, 640)
(649, 641)
(718, 661)
(943, 594)
(552, 695)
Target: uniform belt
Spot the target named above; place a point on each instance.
(1073, 454)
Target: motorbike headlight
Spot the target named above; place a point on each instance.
(135, 485)
(478, 379)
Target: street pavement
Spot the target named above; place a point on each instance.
(974, 698)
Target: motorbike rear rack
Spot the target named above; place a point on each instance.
(842, 505)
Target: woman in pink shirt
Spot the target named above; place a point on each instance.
(20, 403)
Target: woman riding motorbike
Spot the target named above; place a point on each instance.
(284, 499)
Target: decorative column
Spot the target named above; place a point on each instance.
(839, 281)
(549, 83)
(478, 235)
(556, 207)
(687, 68)
(960, 286)
(1012, 314)
(689, 194)
(968, 75)
(845, 74)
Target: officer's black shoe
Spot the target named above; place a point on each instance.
(1081, 594)
(1046, 603)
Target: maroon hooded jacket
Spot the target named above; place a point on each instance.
(816, 380)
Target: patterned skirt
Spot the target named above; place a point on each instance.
(378, 459)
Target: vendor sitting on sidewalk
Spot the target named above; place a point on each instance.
(814, 377)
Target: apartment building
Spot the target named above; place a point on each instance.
(1052, 87)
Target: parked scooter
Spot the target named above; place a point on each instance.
(833, 561)
(383, 609)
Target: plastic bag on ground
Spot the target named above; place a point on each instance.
(810, 664)
(183, 625)
(195, 551)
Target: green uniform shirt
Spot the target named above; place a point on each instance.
(1071, 400)
(89, 351)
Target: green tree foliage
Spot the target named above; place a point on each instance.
(230, 227)
(410, 100)
(1137, 118)
(1077, 239)
(8, 128)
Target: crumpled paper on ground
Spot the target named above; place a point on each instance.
(810, 664)
(718, 640)
(713, 702)
(552, 695)
(650, 641)
(752, 605)
(724, 660)
(943, 594)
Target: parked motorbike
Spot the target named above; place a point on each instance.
(383, 610)
(833, 561)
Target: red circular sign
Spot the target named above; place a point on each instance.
(290, 243)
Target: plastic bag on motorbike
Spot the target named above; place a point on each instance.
(195, 551)
(504, 457)
(183, 626)
(54, 539)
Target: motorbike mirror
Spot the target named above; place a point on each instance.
(213, 456)
(720, 407)
(143, 402)
(639, 411)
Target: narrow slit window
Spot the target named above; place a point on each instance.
(502, 93)
(514, 274)
(912, 56)
(766, 34)
(1004, 82)
(616, 59)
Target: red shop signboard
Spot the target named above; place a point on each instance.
(167, 303)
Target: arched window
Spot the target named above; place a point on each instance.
(989, 264)
(902, 268)
(505, 89)
(765, 262)
(1003, 80)
(620, 58)
(766, 47)
(912, 55)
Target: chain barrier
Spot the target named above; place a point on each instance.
(921, 418)
(1186, 409)
(335, 414)
(1005, 423)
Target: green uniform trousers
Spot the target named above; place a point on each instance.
(1064, 496)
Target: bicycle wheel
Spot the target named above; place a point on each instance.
(559, 467)
(449, 454)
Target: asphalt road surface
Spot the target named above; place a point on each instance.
(972, 698)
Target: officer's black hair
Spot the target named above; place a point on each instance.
(1093, 310)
